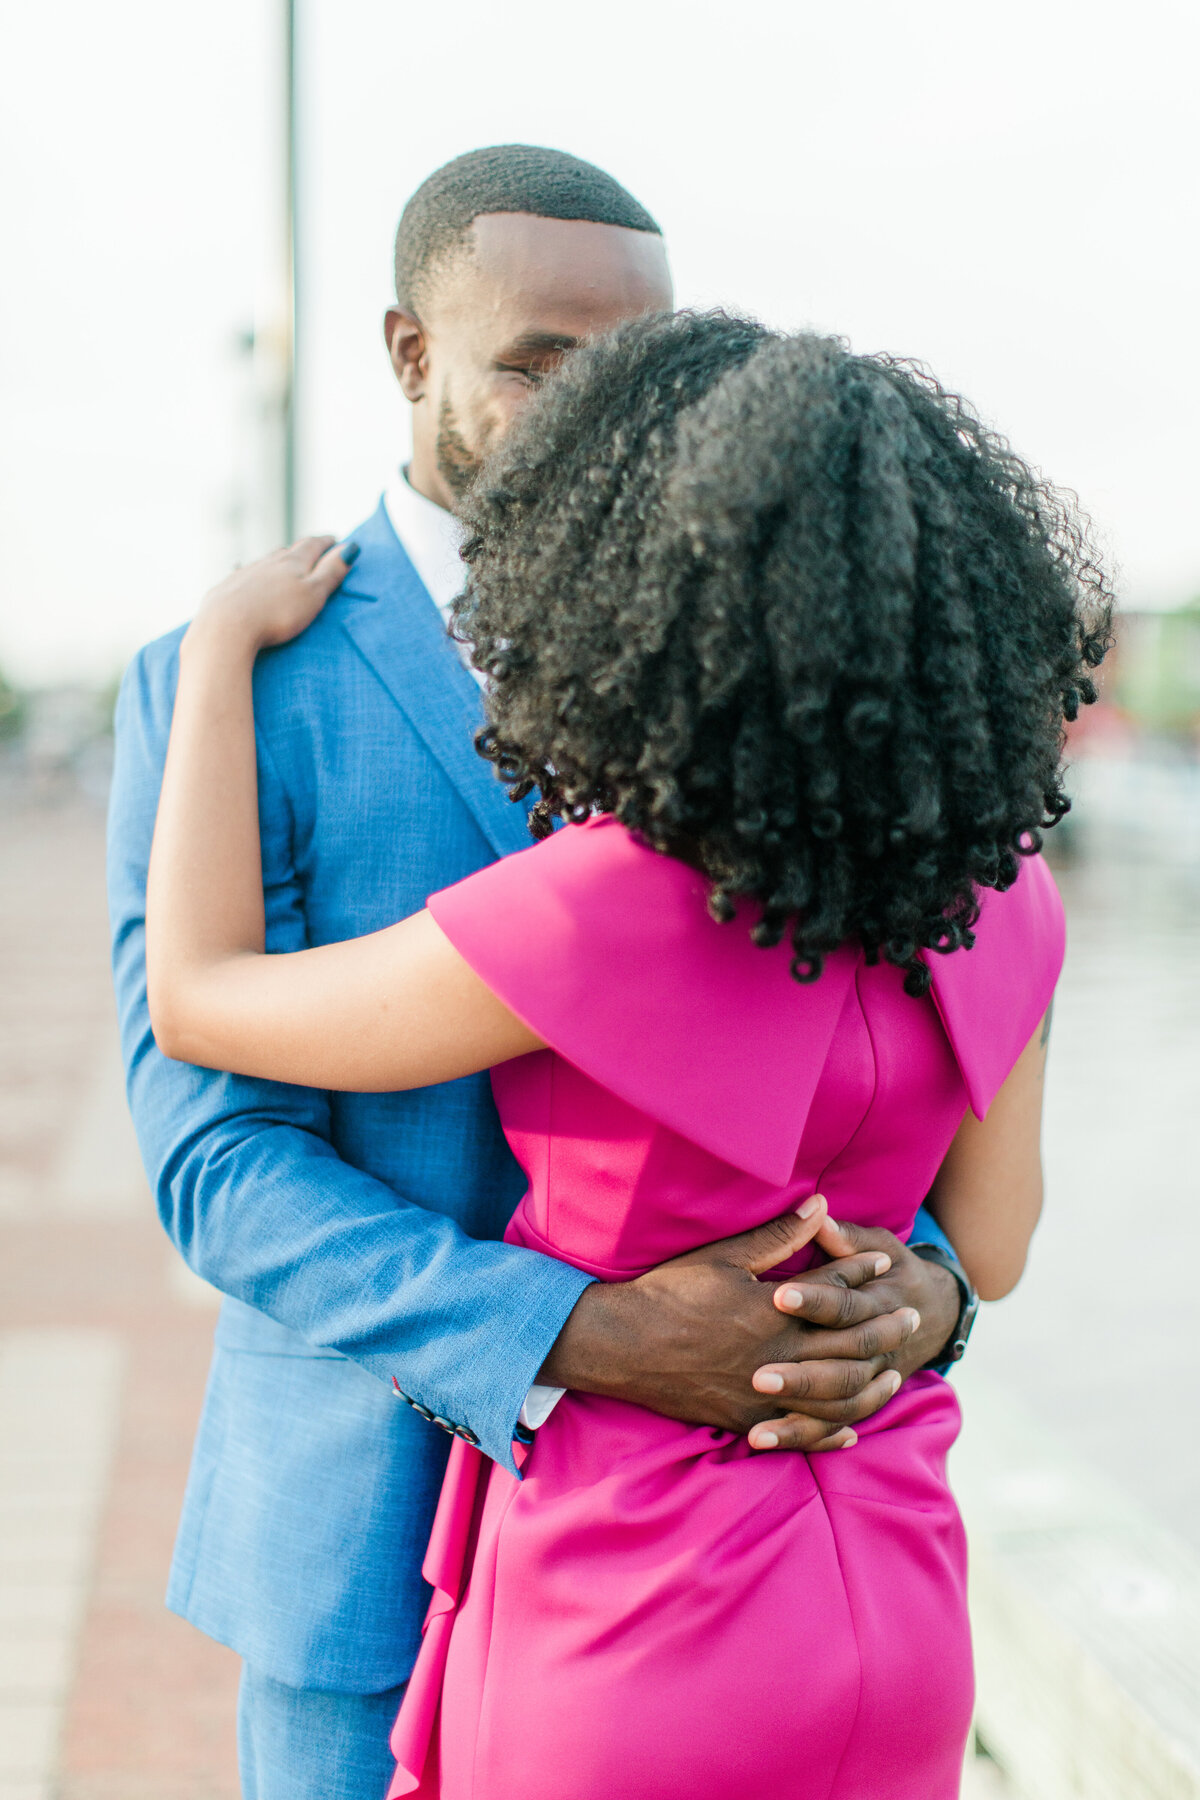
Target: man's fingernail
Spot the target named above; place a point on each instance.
(810, 1207)
(349, 552)
(767, 1382)
(882, 1264)
(792, 1298)
(914, 1315)
(892, 1381)
(850, 1441)
(764, 1440)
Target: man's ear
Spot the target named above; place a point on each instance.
(404, 335)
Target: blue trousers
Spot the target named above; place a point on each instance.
(301, 1744)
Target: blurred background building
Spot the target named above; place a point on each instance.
(1008, 196)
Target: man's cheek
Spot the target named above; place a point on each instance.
(505, 404)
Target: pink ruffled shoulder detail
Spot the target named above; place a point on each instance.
(990, 998)
(607, 950)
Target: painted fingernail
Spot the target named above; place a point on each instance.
(764, 1440)
(792, 1298)
(882, 1264)
(811, 1206)
(767, 1382)
(892, 1381)
(849, 1441)
(349, 552)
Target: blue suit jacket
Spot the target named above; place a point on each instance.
(354, 1234)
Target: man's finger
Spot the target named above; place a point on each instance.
(830, 1379)
(838, 1238)
(832, 1295)
(799, 1431)
(879, 1336)
(841, 1440)
(768, 1245)
(851, 1411)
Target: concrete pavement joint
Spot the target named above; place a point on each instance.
(60, 1398)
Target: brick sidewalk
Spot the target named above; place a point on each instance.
(104, 1695)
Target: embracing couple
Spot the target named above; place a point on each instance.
(592, 1155)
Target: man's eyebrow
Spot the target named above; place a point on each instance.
(539, 343)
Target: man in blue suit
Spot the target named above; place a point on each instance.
(356, 1237)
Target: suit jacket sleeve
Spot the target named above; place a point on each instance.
(926, 1230)
(251, 1190)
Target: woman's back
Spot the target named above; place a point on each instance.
(691, 1089)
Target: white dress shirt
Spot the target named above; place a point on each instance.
(432, 537)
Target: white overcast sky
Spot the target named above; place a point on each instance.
(1009, 193)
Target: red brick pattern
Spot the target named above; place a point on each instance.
(151, 1710)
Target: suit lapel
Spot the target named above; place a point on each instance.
(393, 622)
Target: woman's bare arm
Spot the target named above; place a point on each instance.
(988, 1192)
(397, 1009)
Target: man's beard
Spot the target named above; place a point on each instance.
(457, 464)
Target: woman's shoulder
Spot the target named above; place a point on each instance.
(601, 849)
(583, 877)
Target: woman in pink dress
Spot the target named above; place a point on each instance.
(788, 639)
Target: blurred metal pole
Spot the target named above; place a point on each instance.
(270, 478)
(290, 288)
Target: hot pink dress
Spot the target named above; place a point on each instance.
(654, 1610)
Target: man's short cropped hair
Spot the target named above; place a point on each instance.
(517, 178)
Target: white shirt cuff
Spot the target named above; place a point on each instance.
(540, 1402)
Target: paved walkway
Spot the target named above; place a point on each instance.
(104, 1344)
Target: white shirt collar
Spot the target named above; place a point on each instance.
(431, 537)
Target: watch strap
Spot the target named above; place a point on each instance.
(955, 1346)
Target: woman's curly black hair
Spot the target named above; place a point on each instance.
(792, 614)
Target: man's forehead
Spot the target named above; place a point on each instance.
(553, 279)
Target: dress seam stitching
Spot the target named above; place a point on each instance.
(849, 1739)
(844, 1148)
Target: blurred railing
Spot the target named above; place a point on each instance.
(1086, 1619)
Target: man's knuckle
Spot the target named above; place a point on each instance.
(845, 1307)
(826, 1410)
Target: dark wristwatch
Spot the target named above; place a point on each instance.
(956, 1343)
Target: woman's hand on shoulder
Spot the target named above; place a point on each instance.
(274, 599)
